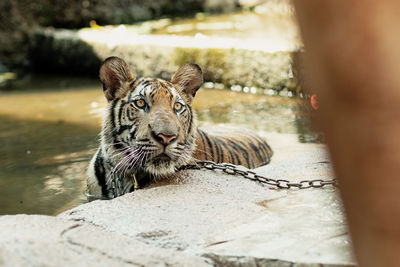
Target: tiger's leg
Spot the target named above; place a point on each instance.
(97, 173)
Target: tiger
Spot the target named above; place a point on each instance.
(149, 130)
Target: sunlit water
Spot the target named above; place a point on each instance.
(265, 29)
(48, 136)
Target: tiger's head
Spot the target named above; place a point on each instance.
(149, 124)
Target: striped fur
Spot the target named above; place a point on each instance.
(149, 130)
(247, 149)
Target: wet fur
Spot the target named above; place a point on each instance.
(129, 144)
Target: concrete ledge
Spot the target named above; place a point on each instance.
(34, 240)
(194, 219)
(224, 60)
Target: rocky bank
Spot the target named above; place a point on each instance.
(198, 218)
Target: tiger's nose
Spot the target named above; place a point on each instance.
(164, 139)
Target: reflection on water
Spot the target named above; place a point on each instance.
(47, 139)
(269, 27)
(267, 116)
(40, 169)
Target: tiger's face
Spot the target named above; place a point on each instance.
(149, 124)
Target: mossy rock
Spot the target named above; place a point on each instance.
(64, 51)
(212, 61)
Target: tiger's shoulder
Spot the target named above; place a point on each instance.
(244, 148)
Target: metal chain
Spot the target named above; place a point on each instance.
(251, 175)
(116, 187)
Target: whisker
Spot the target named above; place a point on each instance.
(120, 152)
(141, 161)
(126, 167)
(120, 164)
(135, 159)
(124, 159)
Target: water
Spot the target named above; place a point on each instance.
(48, 134)
(42, 164)
(272, 25)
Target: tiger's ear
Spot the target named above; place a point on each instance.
(116, 78)
(189, 78)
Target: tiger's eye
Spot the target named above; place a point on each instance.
(178, 106)
(140, 103)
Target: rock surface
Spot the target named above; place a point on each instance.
(242, 51)
(199, 218)
(35, 240)
(228, 61)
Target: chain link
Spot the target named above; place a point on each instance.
(116, 188)
(251, 175)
